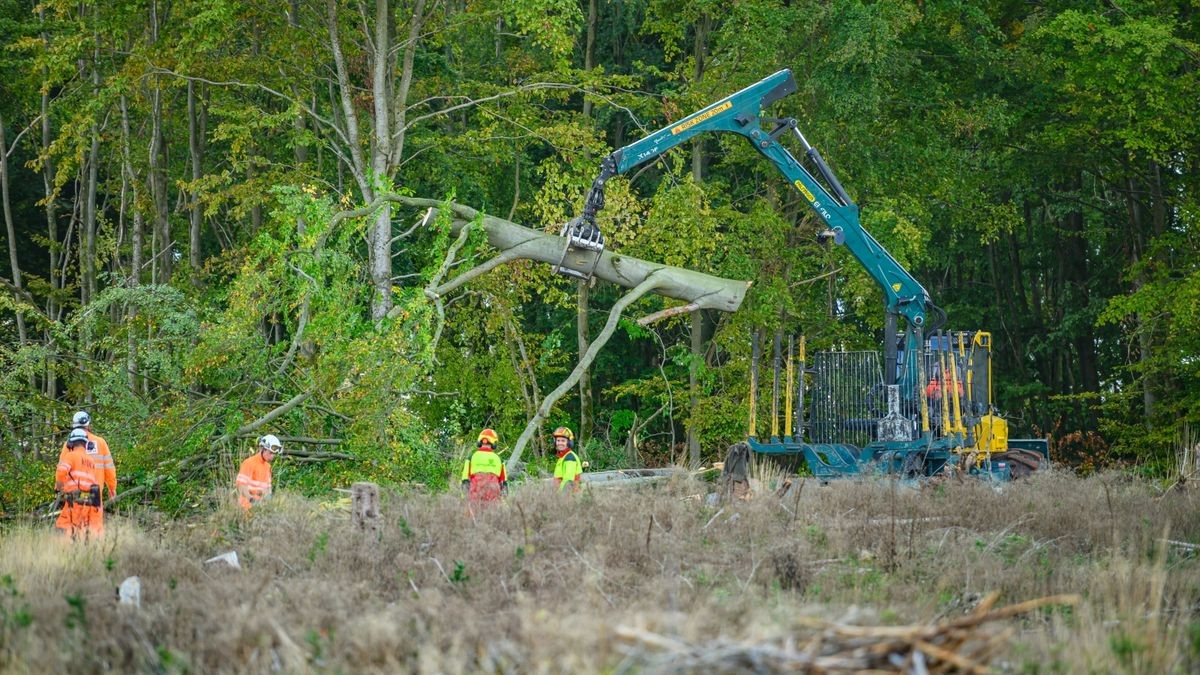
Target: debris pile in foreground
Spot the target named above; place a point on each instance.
(959, 645)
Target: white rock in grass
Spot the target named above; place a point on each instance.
(229, 558)
(130, 592)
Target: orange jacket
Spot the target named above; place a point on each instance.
(255, 476)
(934, 389)
(106, 470)
(76, 475)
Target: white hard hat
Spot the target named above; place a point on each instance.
(81, 419)
(270, 442)
(77, 435)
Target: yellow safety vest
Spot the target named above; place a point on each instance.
(567, 469)
(483, 461)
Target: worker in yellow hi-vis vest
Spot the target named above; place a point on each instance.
(568, 469)
(483, 473)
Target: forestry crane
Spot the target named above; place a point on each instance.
(892, 407)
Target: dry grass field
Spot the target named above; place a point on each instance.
(646, 579)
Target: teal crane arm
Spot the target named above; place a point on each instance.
(741, 113)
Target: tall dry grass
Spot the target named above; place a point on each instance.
(545, 582)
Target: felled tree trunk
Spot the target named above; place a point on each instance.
(515, 242)
(704, 290)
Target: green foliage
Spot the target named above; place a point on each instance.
(77, 611)
(1033, 167)
(318, 547)
(11, 614)
(459, 575)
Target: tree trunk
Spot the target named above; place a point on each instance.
(700, 48)
(11, 228)
(380, 235)
(87, 289)
(1137, 227)
(195, 217)
(516, 242)
(163, 261)
(693, 436)
(136, 247)
(585, 378)
(583, 299)
(699, 51)
(589, 51)
(48, 178)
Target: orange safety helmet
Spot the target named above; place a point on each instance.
(565, 433)
(487, 436)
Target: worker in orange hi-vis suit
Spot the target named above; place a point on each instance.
(483, 473)
(79, 490)
(254, 477)
(97, 449)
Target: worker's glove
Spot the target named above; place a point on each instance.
(466, 485)
(504, 488)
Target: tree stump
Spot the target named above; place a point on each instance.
(735, 475)
(364, 507)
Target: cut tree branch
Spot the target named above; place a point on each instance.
(266, 419)
(667, 313)
(650, 283)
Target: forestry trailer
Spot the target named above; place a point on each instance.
(925, 410)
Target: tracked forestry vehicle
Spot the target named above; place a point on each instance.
(924, 409)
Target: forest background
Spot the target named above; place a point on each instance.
(172, 170)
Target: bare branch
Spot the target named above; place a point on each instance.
(309, 110)
(668, 313)
(494, 97)
(614, 317)
(268, 418)
(431, 289)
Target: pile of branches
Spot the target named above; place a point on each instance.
(957, 645)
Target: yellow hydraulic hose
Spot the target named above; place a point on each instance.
(945, 393)
(787, 415)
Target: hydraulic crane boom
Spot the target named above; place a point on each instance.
(740, 113)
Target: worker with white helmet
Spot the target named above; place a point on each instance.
(97, 450)
(78, 487)
(254, 477)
